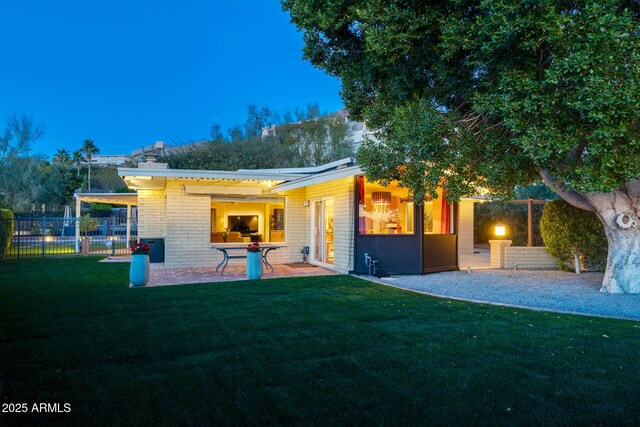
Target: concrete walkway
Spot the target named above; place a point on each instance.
(537, 289)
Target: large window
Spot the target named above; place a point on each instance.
(384, 210)
(242, 221)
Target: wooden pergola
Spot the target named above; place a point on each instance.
(124, 199)
(530, 203)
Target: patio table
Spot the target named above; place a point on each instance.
(226, 257)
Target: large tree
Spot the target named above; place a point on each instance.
(89, 149)
(494, 93)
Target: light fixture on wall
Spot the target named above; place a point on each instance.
(306, 203)
(380, 200)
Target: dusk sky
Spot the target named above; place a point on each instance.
(129, 73)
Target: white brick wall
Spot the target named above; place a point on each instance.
(465, 227)
(151, 213)
(343, 192)
(188, 225)
(528, 257)
(503, 255)
(184, 221)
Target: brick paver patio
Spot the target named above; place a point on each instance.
(160, 275)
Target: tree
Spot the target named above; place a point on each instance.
(17, 136)
(89, 149)
(57, 184)
(19, 183)
(77, 158)
(471, 93)
(318, 139)
(62, 156)
(573, 236)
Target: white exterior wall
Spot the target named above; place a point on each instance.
(151, 213)
(188, 225)
(465, 227)
(343, 192)
(503, 255)
(184, 220)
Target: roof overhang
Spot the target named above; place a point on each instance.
(150, 178)
(130, 199)
(318, 178)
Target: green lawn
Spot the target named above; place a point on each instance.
(34, 249)
(324, 351)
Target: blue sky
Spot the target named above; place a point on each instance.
(128, 73)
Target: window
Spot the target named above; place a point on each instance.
(243, 221)
(384, 210)
(438, 216)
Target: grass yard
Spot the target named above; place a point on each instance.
(323, 350)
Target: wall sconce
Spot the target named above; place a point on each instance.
(306, 203)
(500, 230)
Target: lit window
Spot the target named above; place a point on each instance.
(384, 210)
(438, 216)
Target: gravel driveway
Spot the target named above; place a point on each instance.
(539, 289)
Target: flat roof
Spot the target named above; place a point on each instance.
(208, 174)
(111, 198)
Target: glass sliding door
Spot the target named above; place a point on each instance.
(323, 233)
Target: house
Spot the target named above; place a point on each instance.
(331, 211)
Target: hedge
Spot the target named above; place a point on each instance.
(566, 229)
(6, 230)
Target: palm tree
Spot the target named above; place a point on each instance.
(62, 156)
(89, 149)
(77, 159)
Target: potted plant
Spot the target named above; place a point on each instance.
(87, 225)
(254, 261)
(139, 272)
(225, 235)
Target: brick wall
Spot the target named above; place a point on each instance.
(343, 192)
(184, 220)
(151, 213)
(188, 225)
(528, 257)
(465, 227)
(503, 255)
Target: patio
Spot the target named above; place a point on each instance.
(235, 271)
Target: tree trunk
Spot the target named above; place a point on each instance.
(623, 262)
(618, 212)
(576, 260)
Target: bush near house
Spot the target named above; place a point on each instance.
(6, 230)
(568, 231)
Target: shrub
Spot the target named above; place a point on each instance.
(569, 232)
(87, 224)
(100, 210)
(6, 230)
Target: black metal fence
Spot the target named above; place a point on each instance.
(49, 236)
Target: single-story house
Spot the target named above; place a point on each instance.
(330, 215)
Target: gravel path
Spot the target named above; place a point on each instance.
(545, 290)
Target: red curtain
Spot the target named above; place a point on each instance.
(361, 219)
(445, 219)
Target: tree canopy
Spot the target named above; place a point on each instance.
(494, 93)
(486, 92)
(304, 137)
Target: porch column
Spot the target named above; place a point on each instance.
(128, 224)
(529, 222)
(78, 213)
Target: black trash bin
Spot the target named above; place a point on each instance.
(157, 248)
